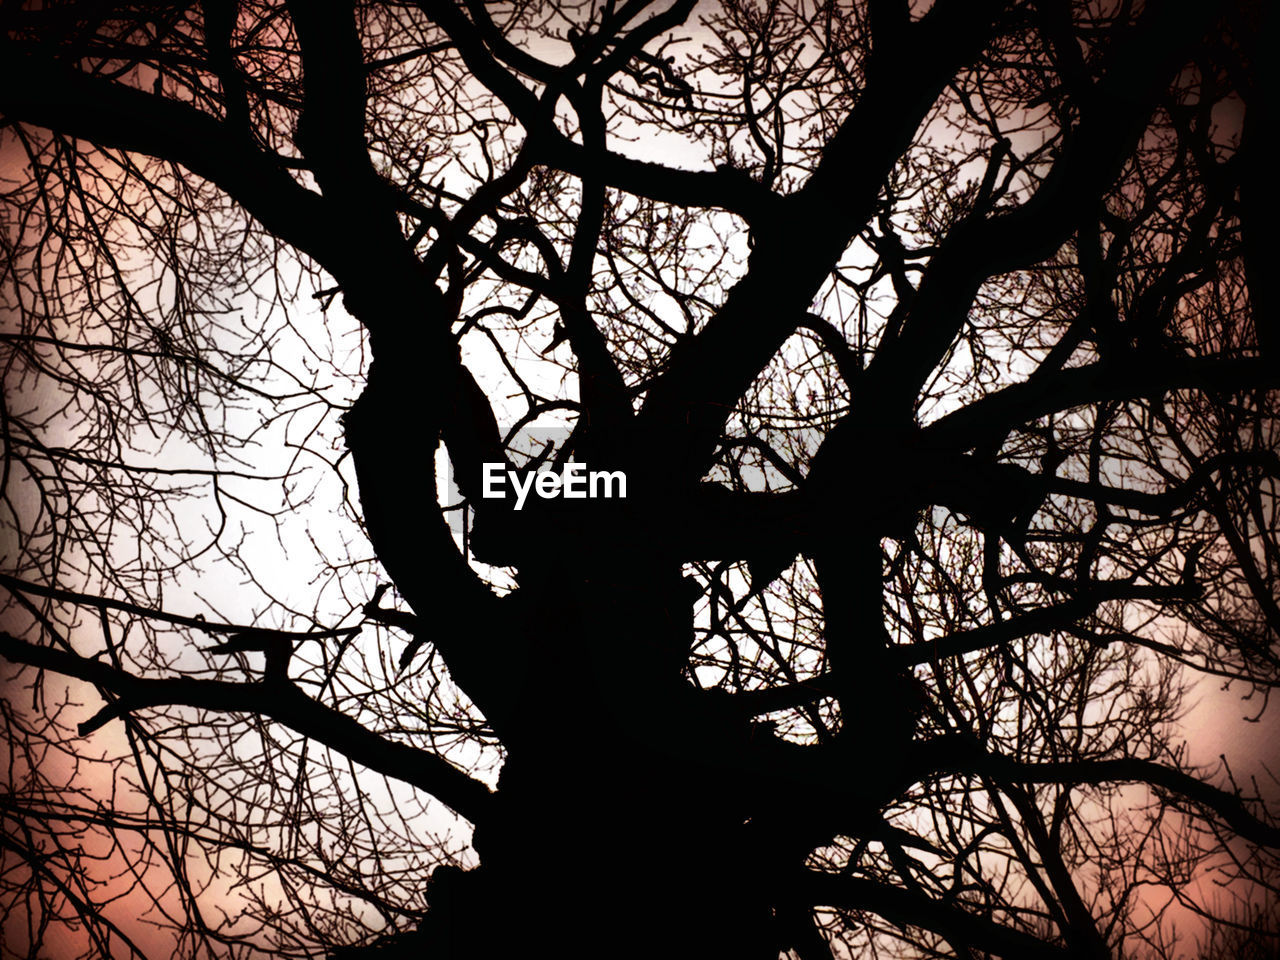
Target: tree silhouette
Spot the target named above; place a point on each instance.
(927, 338)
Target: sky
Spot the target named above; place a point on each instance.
(1218, 724)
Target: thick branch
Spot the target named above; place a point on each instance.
(58, 97)
(280, 701)
(1092, 158)
(954, 755)
(904, 908)
(905, 656)
(988, 420)
(791, 259)
(104, 603)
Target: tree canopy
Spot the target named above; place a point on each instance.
(931, 342)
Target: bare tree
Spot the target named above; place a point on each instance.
(925, 339)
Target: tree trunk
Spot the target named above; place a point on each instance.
(620, 822)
